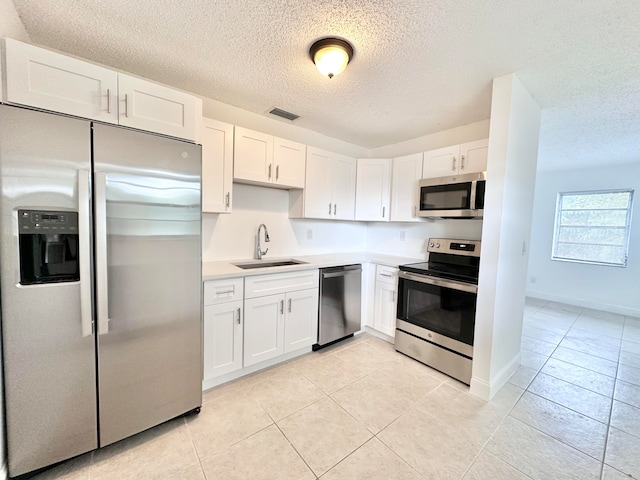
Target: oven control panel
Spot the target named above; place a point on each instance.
(455, 247)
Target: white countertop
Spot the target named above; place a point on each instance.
(227, 269)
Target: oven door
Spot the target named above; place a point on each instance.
(444, 307)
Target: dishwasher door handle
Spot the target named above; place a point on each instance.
(339, 274)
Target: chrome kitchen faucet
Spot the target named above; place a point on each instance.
(259, 252)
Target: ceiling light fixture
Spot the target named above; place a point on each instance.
(331, 55)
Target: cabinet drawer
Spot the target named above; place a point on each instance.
(221, 291)
(386, 274)
(272, 284)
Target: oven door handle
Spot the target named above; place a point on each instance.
(440, 282)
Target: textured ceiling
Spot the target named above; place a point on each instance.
(420, 66)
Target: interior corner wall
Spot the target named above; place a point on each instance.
(10, 24)
(511, 170)
(279, 128)
(613, 289)
(445, 138)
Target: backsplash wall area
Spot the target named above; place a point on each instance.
(233, 236)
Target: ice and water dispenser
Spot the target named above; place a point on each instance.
(48, 246)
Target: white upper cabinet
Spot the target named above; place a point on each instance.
(44, 79)
(469, 157)
(253, 156)
(330, 187)
(473, 156)
(407, 171)
(40, 78)
(344, 187)
(373, 186)
(217, 166)
(156, 108)
(441, 162)
(289, 163)
(262, 159)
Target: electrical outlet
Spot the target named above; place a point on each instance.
(403, 235)
(309, 234)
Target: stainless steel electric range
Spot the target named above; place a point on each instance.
(437, 307)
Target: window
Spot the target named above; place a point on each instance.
(593, 227)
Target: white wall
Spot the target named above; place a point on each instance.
(445, 138)
(613, 289)
(386, 237)
(511, 170)
(278, 127)
(233, 236)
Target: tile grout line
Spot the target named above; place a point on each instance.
(615, 385)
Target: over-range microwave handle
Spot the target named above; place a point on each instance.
(439, 282)
(84, 240)
(102, 275)
(472, 200)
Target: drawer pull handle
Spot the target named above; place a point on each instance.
(289, 305)
(238, 316)
(282, 306)
(226, 292)
(108, 100)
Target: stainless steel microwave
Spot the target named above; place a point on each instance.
(459, 196)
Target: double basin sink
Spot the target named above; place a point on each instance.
(266, 264)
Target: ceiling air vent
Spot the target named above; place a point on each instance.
(284, 114)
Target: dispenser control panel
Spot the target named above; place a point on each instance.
(45, 221)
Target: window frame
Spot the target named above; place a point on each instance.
(556, 226)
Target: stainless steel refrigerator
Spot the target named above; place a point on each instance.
(100, 283)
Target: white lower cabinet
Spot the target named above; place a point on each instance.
(385, 300)
(281, 314)
(223, 327)
(222, 339)
(264, 329)
(301, 322)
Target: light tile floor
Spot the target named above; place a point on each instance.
(362, 410)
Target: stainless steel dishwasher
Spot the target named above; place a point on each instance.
(339, 306)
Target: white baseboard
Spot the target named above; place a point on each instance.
(380, 335)
(486, 390)
(214, 382)
(605, 307)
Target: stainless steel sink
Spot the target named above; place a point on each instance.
(263, 264)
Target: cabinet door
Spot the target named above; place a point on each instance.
(301, 321)
(441, 162)
(373, 186)
(263, 328)
(384, 316)
(407, 171)
(156, 108)
(473, 156)
(253, 156)
(217, 166)
(289, 161)
(43, 79)
(318, 201)
(222, 339)
(344, 187)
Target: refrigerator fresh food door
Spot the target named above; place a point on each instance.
(148, 279)
(47, 341)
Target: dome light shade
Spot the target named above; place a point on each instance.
(331, 56)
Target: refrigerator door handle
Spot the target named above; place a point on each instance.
(102, 277)
(84, 234)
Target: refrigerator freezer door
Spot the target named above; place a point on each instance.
(48, 347)
(149, 313)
